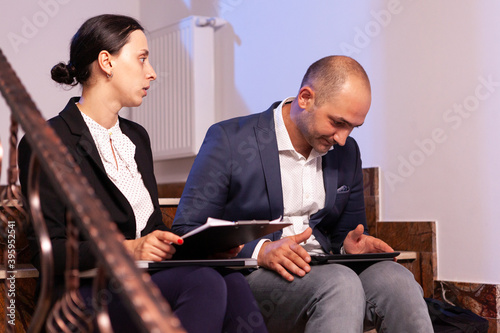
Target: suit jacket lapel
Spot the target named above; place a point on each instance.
(77, 126)
(268, 149)
(330, 179)
(141, 157)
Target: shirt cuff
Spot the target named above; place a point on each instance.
(342, 250)
(256, 250)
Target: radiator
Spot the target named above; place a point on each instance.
(180, 105)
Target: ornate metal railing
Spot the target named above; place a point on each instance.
(87, 216)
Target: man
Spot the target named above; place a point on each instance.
(297, 160)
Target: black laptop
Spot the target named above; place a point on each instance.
(234, 263)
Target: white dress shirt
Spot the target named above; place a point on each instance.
(123, 171)
(301, 182)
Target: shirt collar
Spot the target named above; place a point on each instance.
(97, 129)
(282, 136)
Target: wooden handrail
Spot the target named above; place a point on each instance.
(91, 217)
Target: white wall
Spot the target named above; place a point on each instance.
(425, 59)
(34, 36)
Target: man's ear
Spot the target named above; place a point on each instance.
(105, 63)
(305, 97)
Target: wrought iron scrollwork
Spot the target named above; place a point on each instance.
(90, 218)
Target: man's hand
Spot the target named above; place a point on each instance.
(356, 242)
(286, 255)
(155, 246)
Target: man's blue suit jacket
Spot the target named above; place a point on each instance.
(236, 176)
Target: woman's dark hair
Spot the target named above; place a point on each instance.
(103, 32)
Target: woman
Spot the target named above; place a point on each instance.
(109, 58)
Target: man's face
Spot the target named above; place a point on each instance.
(331, 123)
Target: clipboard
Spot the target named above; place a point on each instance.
(219, 236)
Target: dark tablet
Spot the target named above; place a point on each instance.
(346, 258)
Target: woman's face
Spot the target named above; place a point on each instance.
(132, 72)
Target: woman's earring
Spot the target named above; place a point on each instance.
(109, 76)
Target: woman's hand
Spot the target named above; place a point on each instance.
(155, 246)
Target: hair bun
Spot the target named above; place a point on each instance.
(64, 74)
